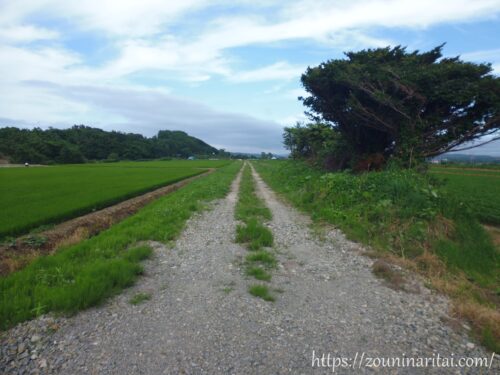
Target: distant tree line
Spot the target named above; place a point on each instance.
(389, 104)
(82, 143)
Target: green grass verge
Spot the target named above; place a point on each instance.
(85, 274)
(261, 291)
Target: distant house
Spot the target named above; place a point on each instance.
(191, 158)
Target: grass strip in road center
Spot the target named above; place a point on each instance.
(252, 211)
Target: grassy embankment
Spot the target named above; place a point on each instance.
(83, 275)
(252, 211)
(31, 197)
(405, 218)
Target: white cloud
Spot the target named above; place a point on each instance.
(26, 33)
(169, 54)
(317, 19)
(19, 63)
(281, 70)
(351, 40)
(116, 17)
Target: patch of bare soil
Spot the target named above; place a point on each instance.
(23, 250)
(495, 234)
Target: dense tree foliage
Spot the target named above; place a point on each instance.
(81, 143)
(318, 142)
(390, 102)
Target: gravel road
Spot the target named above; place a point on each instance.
(202, 320)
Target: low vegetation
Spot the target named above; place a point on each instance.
(262, 257)
(258, 273)
(139, 298)
(182, 164)
(83, 275)
(252, 211)
(261, 291)
(254, 234)
(477, 188)
(407, 218)
(479, 165)
(31, 197)
(250, 206)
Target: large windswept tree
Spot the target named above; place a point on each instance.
(409, 105)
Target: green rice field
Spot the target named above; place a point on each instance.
(35, 196)
(478, 188)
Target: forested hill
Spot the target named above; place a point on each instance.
(82, 143)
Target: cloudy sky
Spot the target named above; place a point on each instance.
(227, 71)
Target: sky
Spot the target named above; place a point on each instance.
(226, 71)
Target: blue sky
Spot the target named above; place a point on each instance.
(225, 71)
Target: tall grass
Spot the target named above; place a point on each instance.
(83, 275)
